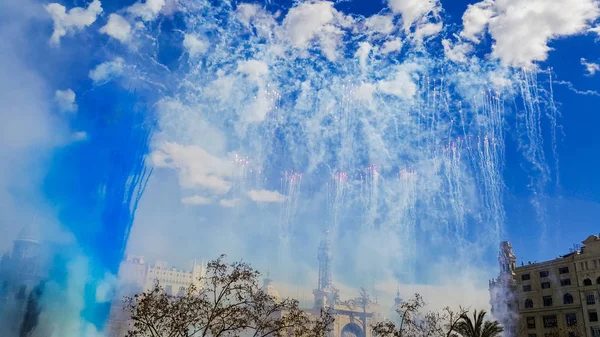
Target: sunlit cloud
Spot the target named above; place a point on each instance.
(118, 28)
(73, 20)
(66, 100)
(106, 71)
(522, 29)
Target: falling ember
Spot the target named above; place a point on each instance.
(336, 198)
(290, 187)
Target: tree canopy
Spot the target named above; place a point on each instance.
(228, 303)
(445, 323)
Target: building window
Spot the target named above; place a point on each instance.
(531, 335)
(587, 282)
(565, 282)
(550, 321)
(525, 277)
(527, 288)
(595, 332)
(547, 301)
(545, 285)
(593, 315)
(528, 303)
(598, 280)
(590, 299)
(567, 299)
(571, 319)
(544, 273)
(530, 322)
(563, 270)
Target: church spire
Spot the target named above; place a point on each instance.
(325, 259)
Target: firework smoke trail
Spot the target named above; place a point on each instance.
(290, 182)
(336, 201)
(370, 196)
(453, 168)
(310, 104)
(404, 213)
(532, 142)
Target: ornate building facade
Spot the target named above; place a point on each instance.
(559, 297)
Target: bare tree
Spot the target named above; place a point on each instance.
(413, 323)
(228, 303)
(408, 311)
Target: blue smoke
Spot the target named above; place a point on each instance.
(96, 183)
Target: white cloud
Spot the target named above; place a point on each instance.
(197, 200)
(590, 67)
(195, 166)
(595, 30)
(427, 30)
(310, 21)
(266, 196)
(499, 80)
(107, 70)
(229, 202)
(118, 28)
(75, 19)
(383, 24)
(362, 53)
(365, 92)
(262, 104)
(522, 29)
(245, 12)
(402, 85)
(148, 10)
(392, 46)
(194, 45)
(475, 19)
(253, 68)
(66, 100)
(412, 10)
(457, 52)
(307, 20)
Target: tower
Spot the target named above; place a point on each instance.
(507, 262)
(27, 244)
(325, 294)
(324, 257)
(502, 290)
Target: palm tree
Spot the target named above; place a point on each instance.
(478, 326)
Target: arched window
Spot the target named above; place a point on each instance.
(598, 280)
(528, 303)
(587, 282)
(568, 299)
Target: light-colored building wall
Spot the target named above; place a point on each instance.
(559, 297)
(135, 275)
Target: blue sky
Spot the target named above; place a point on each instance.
(403, 127)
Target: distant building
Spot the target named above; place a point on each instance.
(559, 297)
(21, 270)
(353, 317)
(136, 276)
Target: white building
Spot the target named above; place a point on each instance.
(137, 275)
